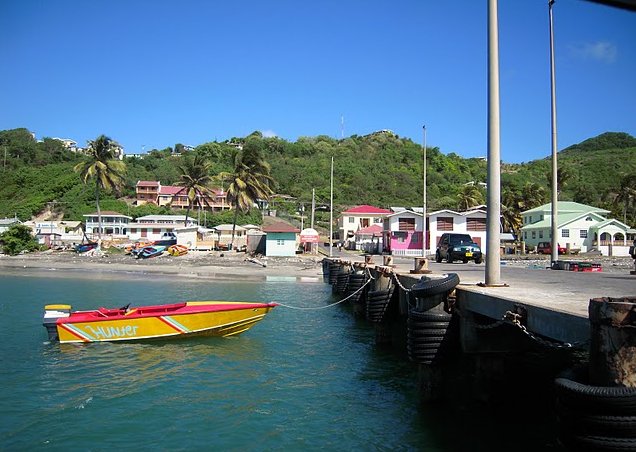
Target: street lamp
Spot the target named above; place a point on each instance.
(555, 197)
(424, 192)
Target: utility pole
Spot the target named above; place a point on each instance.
(493, 260)
(555, 187)
(424, 193)
(313, 206)
(331, 214)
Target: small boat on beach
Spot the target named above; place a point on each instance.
(178, 320)
(177, 250)
(167, 239)
(84, 247)
(149, 251)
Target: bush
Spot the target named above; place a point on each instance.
(18, 238)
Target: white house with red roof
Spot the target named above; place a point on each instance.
(352, 220)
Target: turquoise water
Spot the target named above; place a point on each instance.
(298, 380)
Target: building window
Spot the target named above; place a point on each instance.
(565, 233)
(377, 220)
(525, 235)
(352, 220)
(406, 224)
(476, 224)
(583, 233)
(156, 231)
(540, 234)
(445, 223)
(400, 236)
(534, 234)
(280, 242)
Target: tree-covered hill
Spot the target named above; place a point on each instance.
(381, 169)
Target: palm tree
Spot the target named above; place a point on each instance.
(103, 166)
(511, 207)
(195, 179)
(626, 195)
(564, 174)
(469, 196)
(249, 181)
(532, 195)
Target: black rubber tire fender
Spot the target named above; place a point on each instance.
(429, 316)
(430, 287)
(573, 394)
(580, 422)
(598, 443)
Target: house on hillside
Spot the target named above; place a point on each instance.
(579, 226)
(352, 220)
(177, 197)
(281, 239)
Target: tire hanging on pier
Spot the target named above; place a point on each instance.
(594, 417)
(431, 333)
(377, 304)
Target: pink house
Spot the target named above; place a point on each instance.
(403, 233)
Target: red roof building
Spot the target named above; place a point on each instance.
(359, 217)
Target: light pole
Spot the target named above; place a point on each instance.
(493, 270)
(331, 214)
(555, 195)
(424, 192)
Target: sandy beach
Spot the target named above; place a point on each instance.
(213, 265)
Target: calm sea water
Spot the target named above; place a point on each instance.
(298, 380)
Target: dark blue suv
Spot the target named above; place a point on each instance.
(460, 247)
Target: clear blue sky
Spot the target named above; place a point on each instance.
(156, 73)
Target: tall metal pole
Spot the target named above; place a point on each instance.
(424, 192)
(331, 214)
(493, 270)
(555, 194)
(313, 206)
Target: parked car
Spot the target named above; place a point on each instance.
(461, 247)
(546, 248)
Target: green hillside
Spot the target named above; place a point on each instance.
(381, 169)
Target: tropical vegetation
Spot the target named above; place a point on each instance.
(380, 169)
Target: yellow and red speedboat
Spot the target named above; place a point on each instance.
(192, 318)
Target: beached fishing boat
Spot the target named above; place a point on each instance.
(177, 250)
(192, 318)
(167, 239)
(84, 247)
(149, 251)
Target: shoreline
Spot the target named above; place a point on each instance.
(194, 265)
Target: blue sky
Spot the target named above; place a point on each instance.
(150, 74)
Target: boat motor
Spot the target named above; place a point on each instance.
(52, 312)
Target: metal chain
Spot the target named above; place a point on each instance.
(399, 283)
(515, 319)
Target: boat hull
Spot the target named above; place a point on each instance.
(190, 319)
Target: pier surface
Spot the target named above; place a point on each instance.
(554, 303)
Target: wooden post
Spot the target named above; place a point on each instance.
(368, 259)
(388, 260)
(420, 265)
(613, 341)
